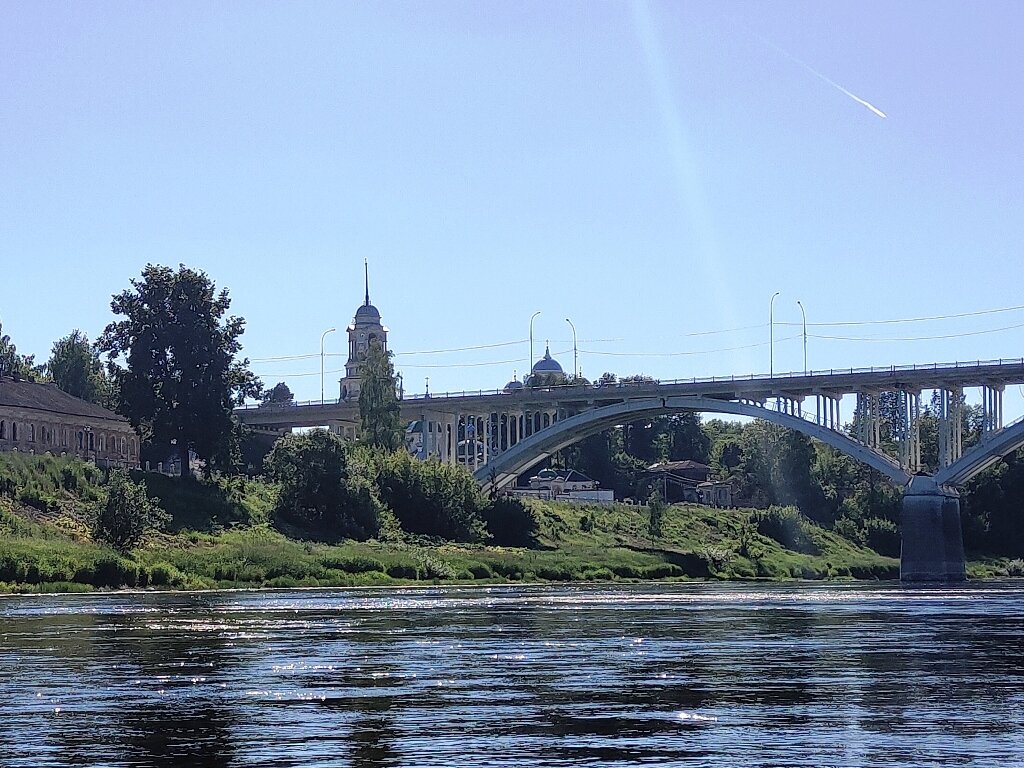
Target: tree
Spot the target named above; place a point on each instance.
(75, 367)
(325, 488)
(279, 394)
(13, 364)
(378, 400)
(431, 498)
(655, 515)
(127, 513)
(182, 377)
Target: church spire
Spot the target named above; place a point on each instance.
(366, 271)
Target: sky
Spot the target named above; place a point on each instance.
(653, 171)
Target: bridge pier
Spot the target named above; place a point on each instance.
(933, 545)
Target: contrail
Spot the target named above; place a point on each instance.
(820, 76)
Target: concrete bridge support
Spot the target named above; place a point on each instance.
(933, 545)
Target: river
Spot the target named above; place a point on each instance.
(668, 675)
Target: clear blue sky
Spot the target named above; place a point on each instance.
(649, 170)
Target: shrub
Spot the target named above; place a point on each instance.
(434, 568)
(786, 526)
(402, 571)
(431, 498)
(511, 522)
(33, 497)
(662, 571)
(480, 571)
(114, 572)
(882, 536)
(556, 573)
(127, 514)
(325, 489)
(164, 575)
(1015, 568)
(359, 565)
(598, 574)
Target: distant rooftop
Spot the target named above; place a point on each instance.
(48, 398)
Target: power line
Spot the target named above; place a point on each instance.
(685, 354)
(917, 338)
(913, 319)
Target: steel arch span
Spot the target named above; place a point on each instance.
(506, 467)
(993, 446)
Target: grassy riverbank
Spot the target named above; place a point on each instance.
(219, 536)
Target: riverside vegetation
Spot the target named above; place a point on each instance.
(229, 532)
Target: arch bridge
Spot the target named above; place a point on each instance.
(499, 435)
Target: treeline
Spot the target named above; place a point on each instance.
(332, 489)
(769, 465)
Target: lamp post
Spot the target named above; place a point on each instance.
(575, 364)
(804, 315)
(530, 366)
(771, 335)
(322, 337)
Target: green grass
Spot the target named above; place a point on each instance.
(219, 537)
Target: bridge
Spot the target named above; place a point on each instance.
(499, 434)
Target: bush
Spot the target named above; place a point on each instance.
(556, 573)
(353, 564)
(1013, 568)
(430, 498)
(164, 575)
(662, 571)
(401, 571)
(127, 514)
(882, 536)
(325, 489)
(434, 568)
(786, 526)
(511, 522)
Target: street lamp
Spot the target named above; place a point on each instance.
(771, 335)
(804, 315)
(530, 366)
(575, 365)
(322, 337)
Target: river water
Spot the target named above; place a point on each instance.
(670, 675)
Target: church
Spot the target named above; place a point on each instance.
(365, 329)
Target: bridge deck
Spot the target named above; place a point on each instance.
(835, 382)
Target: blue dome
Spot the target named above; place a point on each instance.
(367, 312)
(547, 364)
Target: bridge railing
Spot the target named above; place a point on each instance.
(599, 387)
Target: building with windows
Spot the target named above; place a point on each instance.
(40, 418)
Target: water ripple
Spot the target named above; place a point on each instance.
(688, 674)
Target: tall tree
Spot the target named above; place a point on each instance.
(279, 394)
(378, 400)
(182, 376)
(75, 367)
(325, 489)
(13, 364)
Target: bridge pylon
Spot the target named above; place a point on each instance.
(933, 545)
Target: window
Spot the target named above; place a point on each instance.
(3, 430)
(14, 431)
(81, 440)
(103, 443)
(92, 442)
(31, 433)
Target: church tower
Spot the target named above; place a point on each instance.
(365, 328)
